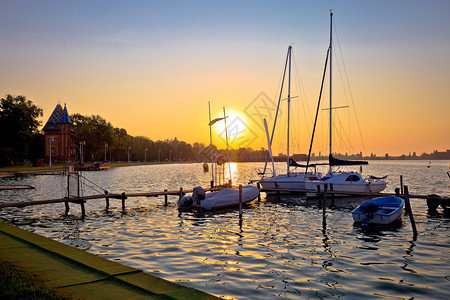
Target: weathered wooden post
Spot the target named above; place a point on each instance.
(397, 192)
(123, 201)
(240, 201)
(409, 209)
(67, 207)
(165, 197)
(318, 190)
(83, 211)
(324, 206)
(181, 193)
(401, 184)
(259, 191)
(107, 200)
(332, 194)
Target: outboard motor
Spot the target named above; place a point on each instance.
(198, 194)
(433, 201)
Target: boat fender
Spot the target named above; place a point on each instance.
(198, 194)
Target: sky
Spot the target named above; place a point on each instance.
(151, 67)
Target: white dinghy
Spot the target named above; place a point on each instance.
(224, 198)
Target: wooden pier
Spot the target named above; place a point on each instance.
(123, 196)
(331, 192)
(181, 192)
(433, 201)
(15, 187)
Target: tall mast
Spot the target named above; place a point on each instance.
(228, 149)
(278, 107)
(289, 106)
(211, 146)
(331, 106)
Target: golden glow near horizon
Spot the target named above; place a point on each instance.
(152, 67)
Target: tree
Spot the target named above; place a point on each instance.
(96, 132)
(18, 127)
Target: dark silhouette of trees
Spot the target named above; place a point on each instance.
(96, 132)
(21, 139)
(19, 135)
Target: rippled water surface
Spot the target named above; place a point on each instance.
(277, 249)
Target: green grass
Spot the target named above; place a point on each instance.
(17, 283)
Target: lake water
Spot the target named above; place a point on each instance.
(277, 250)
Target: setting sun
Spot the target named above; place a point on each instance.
(237, 129)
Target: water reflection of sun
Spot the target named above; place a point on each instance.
(234, 172)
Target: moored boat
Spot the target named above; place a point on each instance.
(341, 182)
(348, 181)
(291, 180)
(224, 198)
(382, 210)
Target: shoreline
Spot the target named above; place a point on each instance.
(8, 172)
(82, 274)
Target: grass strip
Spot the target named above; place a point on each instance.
(17, 283)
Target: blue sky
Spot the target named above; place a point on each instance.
(107, 57)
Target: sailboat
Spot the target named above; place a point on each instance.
(223, 198)
(291, 180)
(342, 181)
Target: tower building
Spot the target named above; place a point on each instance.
(58, 133)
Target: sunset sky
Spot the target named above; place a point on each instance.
(152, 66)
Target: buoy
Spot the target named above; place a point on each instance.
(205, 167)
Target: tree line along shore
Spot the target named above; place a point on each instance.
(22, 142)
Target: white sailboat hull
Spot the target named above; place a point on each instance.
(339, 182)
(291, 181)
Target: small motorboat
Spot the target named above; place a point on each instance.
(227, 197)
(383, 210)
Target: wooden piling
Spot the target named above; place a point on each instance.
(123, 201)
(66, 204)
(181, 193)
(401, 184)
(259, 191)
(240, 201)
(107, 200)
(83, 210)
(409, 210)
(165, 197)
(332, 194)
(397, 192)
(324, 206)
